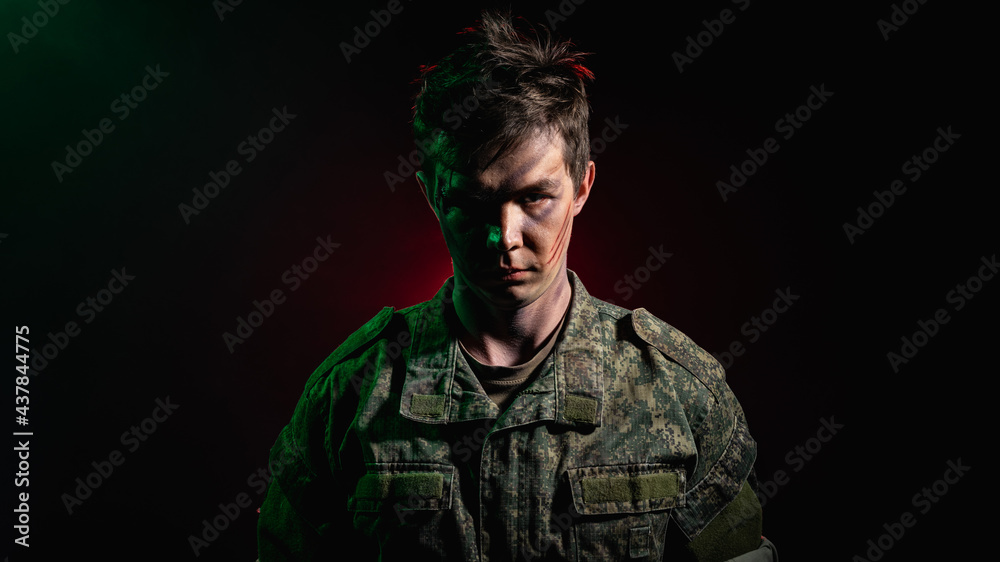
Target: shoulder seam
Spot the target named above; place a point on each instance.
(613, 310)
(696, 361)
(356, 340)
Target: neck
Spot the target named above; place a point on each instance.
(508, 337)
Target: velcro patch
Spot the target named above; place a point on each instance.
(629, 488)
(427, 485)
(581, 409)
(427, 404)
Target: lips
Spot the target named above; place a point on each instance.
(505, 274)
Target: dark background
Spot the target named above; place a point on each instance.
(323, 176)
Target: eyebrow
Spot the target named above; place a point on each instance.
(546, 184)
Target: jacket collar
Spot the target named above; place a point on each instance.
(440, 387)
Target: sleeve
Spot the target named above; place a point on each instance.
(733, 532)
(721, 519)
(299, 513)
(720, 515)
(283, 535)
(304, 514)
(726, 454)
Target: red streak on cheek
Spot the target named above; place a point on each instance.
(557, 248)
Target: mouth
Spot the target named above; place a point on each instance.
(512, 274)
(507, 274)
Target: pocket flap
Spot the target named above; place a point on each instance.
(633, 488)
(403, 486)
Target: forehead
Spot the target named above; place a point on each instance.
(537, 161)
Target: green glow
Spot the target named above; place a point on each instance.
(493, 239)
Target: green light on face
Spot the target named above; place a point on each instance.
(493, 238)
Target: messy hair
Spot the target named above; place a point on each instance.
(496, 90)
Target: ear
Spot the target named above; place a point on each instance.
(422, 182)
(583, 190)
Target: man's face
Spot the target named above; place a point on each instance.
(508, 227)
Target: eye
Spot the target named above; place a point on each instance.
(458, 199)
(534, 198)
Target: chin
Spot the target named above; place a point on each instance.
(511, 298)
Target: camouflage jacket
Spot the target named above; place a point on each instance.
(395, 446)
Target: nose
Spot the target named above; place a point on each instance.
(505, 235)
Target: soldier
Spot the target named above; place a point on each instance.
(512, 416)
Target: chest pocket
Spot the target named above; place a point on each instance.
(403, 500)
(623, 510)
